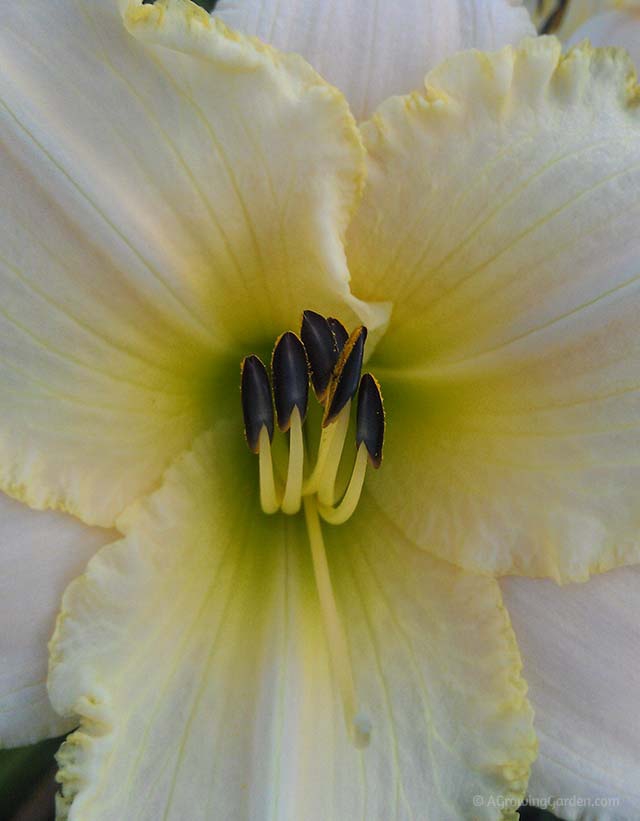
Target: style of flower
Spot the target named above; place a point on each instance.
(250, 645)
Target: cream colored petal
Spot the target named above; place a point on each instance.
(437, 670)
(615, 28)
(371, 52)
(502, 215)
(161, 213)
(581, 651)
(40, 553)
(195, 653)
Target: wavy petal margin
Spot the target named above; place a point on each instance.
(383, 50)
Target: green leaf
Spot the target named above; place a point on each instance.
(21, 769)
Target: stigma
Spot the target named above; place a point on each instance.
(325, 356)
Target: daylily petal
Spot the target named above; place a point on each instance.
(437, 667)
(160, 212)
(581, 650)
(502, 213)
(194, 651)
(615, 28)
(40, 553)
(372, 53)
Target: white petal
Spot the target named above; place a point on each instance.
(162, 213)
(40, 553)
(581, 651)
(615, 28)
(502, 214)
(194, 650)
(373, 51)
(437, 671)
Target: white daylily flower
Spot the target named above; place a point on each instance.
(188, 206)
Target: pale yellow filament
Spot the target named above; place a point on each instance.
(339, 515)
(327, 483)
(326, 437)
(292, 498)
(268, 494)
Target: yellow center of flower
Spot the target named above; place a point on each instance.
(331, 359)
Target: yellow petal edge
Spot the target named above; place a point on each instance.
(186, 27)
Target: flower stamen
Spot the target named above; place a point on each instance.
(341, 513)
(327, 480)
(257, 409)
(291, 393)
(369, 439)
(269, 496)
(346, 375)
(292, 498)
(326, 438)
(332, 360)
(323, 340)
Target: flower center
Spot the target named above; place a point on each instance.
(331, 359)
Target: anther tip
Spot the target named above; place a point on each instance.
(251, 361)
(370, 419)
(346, 375)
(322, 350)
(257, 405)
(340, 333)
(290, 373)
(310, 316)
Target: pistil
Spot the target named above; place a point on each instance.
(357, 722)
